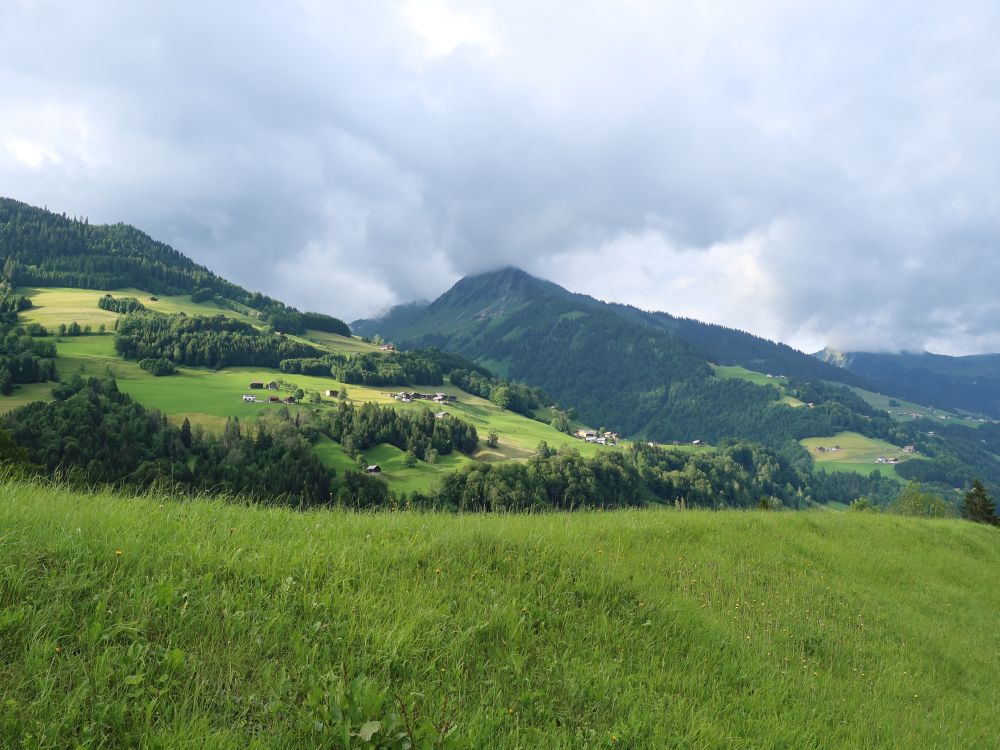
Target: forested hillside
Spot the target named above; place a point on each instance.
(970, 383)
(41, 248)
(609, 362)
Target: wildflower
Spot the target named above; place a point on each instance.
(118, 553)
(59, 651)
(437, 570)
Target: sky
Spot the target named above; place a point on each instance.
(820, 173)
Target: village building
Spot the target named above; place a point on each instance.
(329, 393)
(273, 385)
(250, 399)
(273, 400)
(584, 434)
(442, 415)
(695, 442)
(256, 385)
(373, 469)
(290, 400)
(909, 449)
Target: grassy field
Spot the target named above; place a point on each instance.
(152, 623)
(757, 378)
(55, 305)
(857, 453)
(392, 462)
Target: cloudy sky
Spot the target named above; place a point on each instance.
(816, 172)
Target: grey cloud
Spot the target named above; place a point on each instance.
(317, 152)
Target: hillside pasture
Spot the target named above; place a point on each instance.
(134, 622)
(856, 453)
(55, 305)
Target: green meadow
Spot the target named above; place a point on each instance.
(757, 378)
(856, 453)
(148, 622)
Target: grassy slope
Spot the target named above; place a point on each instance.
(757, 378)
(857, 453)
(810, 630)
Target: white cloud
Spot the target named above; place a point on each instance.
(822, 172)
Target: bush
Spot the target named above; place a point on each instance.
(158, 366)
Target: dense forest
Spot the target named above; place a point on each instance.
(23, 358)
(213, 341)
(41, 248)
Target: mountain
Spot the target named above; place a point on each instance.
(638, 372)
(970, 383)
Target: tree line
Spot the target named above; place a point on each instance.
(212, 341)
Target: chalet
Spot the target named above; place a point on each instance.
(387, 348)
(290, 400)
(909, 449)
(601, 441)
(880, 460)
(417, 395)
(256, 385)
(330, 394)
(442, 415)
(611, 437)
(250, 399)
(584, 434)
(273, 385)
(892, 460)
(373, 469)
(440, 398)
(273, 400)
(695, 442)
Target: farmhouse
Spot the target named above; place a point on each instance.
(329, 393)
(374, 469)
(584, 434)
(695, 442)
(909, 449)
(442, 415)
(273, 400)
(251, 399)
(256, 385)
(387, 348)
(290, 400)
(273, 385)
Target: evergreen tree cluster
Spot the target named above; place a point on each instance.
(358, 428)
(212, 341)
(122, 305)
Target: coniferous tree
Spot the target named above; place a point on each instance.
(978, 506)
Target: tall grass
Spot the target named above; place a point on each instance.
(129, 622)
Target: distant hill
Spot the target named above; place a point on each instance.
(638, 372)
(969, 383)
(44, 249)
